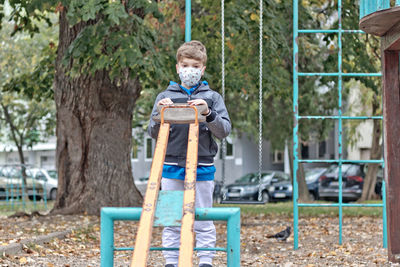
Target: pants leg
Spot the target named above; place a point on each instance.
(205, 230)
(171, 234)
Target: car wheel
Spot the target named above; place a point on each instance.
(53, 194)
(265, 197)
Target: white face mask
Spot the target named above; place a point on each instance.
(190, 76)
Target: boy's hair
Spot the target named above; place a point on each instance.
(194, 50)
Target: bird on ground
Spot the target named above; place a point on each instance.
(281, 236)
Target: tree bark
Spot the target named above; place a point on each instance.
(373, 168)
(94, 134)
(304, 194)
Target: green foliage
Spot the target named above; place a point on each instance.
(27, 111)
(242, 65)
(116, 37)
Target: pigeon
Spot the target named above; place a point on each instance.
(281, 236)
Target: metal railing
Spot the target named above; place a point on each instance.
(110, 214)
(297, 117)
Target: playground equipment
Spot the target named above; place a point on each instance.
(379, 18)
(168, 210)
(297, 117)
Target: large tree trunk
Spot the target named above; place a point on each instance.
(94, 133)
(304, 194)
(373, 168)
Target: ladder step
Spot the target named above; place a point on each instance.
(169, 208)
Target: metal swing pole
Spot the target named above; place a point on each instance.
(188, 20)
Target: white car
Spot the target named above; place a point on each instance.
(50, 183)
(141, 184)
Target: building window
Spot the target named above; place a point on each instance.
(229, 148)
(135, 149)
(149, 148)
(322, 149)
(278, 156)
(304, 151)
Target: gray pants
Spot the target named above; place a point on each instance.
(205, 230)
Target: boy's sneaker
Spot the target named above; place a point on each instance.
(171, 265)
(205, 265)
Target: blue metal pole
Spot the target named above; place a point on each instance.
(340, 120)
(233, 240)
(397, 2)
(188, 21)
(295, 122)
(106, 239)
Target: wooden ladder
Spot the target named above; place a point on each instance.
(177, 114)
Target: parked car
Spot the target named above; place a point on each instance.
(11, 184)
(246, 188)
(48, 182)
(312, 180)
(281, 189)
(352, 182)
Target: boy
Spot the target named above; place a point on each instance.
(191, 63)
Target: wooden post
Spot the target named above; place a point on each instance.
(391, 109)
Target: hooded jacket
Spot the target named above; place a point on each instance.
(217, 124)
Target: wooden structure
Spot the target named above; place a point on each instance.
(386, 24)
(178, 114)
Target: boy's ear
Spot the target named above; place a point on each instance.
(177, 68)
(202, 72)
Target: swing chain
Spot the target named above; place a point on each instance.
(260, 105)
(223, 151)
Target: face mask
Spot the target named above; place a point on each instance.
(190, 76)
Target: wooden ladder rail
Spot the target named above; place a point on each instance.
(189, 198)
(143, 238)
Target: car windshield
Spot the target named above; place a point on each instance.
(312, 174)
(334, 169)
(253, 177)
(53, 174)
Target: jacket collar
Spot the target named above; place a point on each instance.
(173, 86)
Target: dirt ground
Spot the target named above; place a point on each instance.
(318, 244)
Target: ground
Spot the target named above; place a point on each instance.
(318, 244)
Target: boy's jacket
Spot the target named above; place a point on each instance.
(217, 124)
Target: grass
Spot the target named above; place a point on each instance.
(269, 209)
(9, 208)
(286, 209)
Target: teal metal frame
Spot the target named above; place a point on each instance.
(297, 117)
(370, 6)
(110, 214)
(188, 20)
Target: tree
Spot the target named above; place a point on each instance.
(103, 48)
(24, 121)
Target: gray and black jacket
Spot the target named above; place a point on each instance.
(217, 124)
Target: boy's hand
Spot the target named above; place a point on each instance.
(198, 102)
(165, 101)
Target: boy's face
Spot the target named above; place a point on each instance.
(190, 62)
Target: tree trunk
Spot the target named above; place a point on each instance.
(94, 134)
(304, 194)
(373, 168)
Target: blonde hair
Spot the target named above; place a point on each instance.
(194, 50)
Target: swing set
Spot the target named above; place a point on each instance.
(174, 208)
